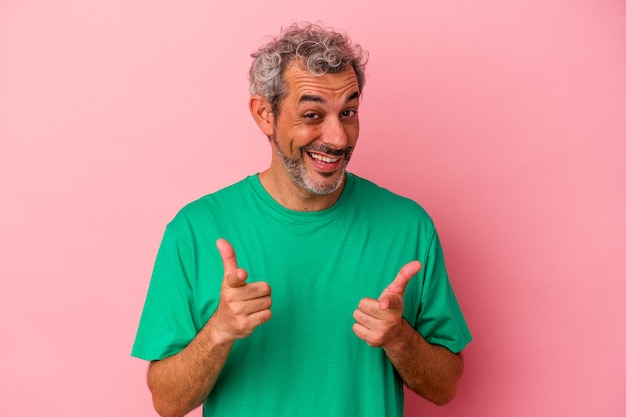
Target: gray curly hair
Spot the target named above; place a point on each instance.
(321, 50)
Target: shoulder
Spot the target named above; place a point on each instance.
(209, 208)
(374, 197)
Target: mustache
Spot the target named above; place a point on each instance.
(347, 151)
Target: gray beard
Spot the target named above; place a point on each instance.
(299, 175)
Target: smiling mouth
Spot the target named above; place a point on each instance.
(326, 154)
(323, 158)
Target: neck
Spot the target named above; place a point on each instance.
(294, 198)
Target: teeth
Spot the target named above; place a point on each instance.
(323, 158)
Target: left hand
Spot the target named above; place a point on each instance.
(378, 322)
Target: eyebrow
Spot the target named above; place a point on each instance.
(318, 99)
(353, 96)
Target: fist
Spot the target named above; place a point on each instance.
(378, 322)
(242, 306)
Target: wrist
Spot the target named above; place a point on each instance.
(215, 336)
(402, 340)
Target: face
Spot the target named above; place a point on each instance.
(316, 130)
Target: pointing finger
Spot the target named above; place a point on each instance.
(228, 255)
(233, 275)
(398, 285)
(392, 296)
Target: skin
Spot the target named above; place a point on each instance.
(431, 371)
(182, 382)
(319, 112)
(312, 139)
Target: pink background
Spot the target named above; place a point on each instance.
(506, 120)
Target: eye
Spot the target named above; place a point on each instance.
(348, 113)
(311, 116)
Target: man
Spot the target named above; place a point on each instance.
(325, 292)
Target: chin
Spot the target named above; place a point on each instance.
(326, 187)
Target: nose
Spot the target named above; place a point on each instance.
(335, 134)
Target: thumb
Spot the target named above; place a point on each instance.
(233, 276)
(393, 296)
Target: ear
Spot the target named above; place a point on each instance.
(262, 114)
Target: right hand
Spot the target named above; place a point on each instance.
(242, 306)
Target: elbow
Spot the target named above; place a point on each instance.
(444, 390)
(167, 406)
(165, 410)
(439, 396)
(446, 393)
(444, 397)
(164, 403)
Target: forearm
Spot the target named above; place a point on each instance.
(432, 371)
(182, 382)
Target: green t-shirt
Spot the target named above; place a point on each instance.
(305, 361)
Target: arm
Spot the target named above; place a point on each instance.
(431, 371)
(183, 381)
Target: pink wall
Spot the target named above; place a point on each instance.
(505, 119)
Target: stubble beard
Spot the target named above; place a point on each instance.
(296, 169)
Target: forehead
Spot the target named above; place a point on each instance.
(301, 83)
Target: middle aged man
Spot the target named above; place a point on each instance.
(338, 293)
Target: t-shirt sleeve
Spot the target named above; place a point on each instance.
(439, 319)
(168, 321)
